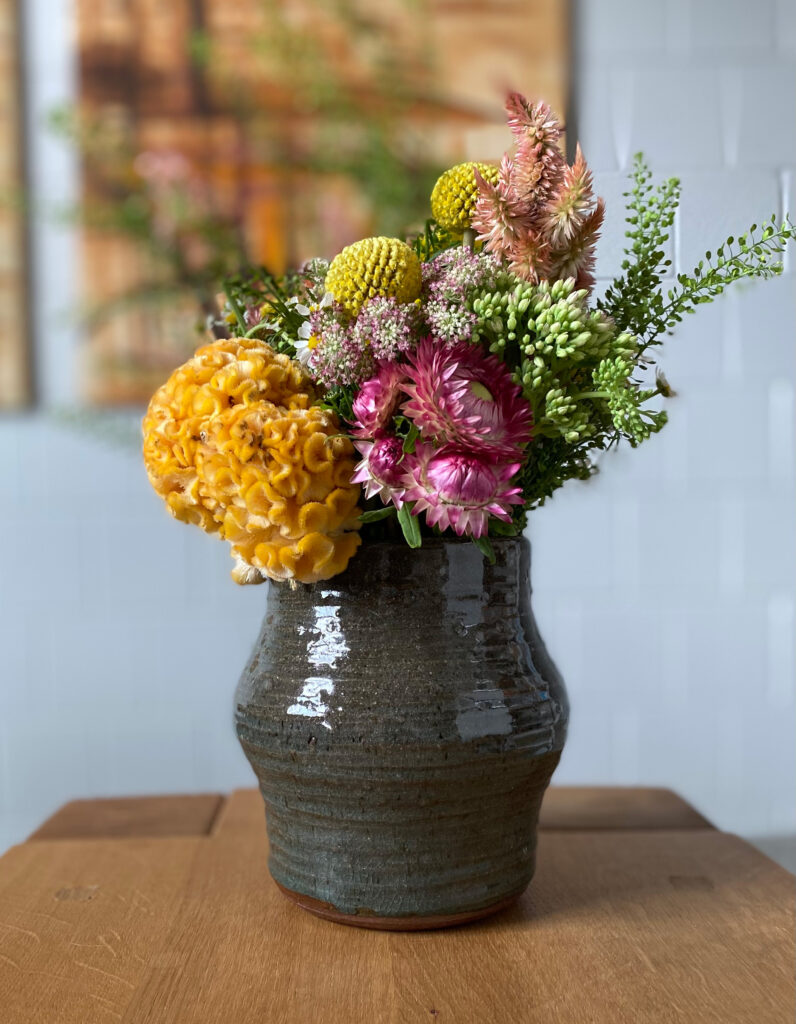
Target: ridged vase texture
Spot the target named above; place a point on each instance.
(403, 720)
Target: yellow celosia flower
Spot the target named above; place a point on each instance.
(454, 196)
(233, 443)
(374, 266)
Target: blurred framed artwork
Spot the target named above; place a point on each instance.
(15, 363)
(216, 134)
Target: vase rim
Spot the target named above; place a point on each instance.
(438, 542)
(394, 556)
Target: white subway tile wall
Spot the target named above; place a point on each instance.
(664, 587)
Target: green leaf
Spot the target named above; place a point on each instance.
(375, 514)
(411, 439)
(236, 309)
(409, 525)
(484, 545)
(500, 528)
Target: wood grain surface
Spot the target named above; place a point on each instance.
(565, 807)
(610, 807)
(190, 815)
(80, 921)
(661, 925)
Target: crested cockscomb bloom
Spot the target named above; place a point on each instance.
(378, 399)
(234, 443)
(384, 469)
(458, 394)
(387, 327)
(460, 489)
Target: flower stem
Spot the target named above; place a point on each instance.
(468, 238)
(589, 394)
(236, 309)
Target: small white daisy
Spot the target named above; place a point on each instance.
(306, 341)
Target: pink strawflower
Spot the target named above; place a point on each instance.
(383, 469)
(378, 399)
(460, 489)
(460, 395)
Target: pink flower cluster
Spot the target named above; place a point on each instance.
(348, 350)
(472, 425)
(447, 280)
(541, 216)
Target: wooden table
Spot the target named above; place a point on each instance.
(160, 910)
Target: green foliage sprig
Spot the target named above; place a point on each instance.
(651, 210)
(753, 255)
(433, 240)
(263, 306)
(340, 400)
(636, 301)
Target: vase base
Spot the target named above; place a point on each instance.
(407, 923)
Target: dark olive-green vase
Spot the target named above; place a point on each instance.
(403, 720)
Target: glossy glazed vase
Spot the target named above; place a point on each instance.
(403, 720)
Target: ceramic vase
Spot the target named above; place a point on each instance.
(403, 720)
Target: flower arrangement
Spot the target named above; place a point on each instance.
(446, 384)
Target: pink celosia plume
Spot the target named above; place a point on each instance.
(535, 121)
(573, 202)
(576, 259)
(539, 163)
(500, 216)
(542, 216)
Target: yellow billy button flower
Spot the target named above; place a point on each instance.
(454, 196)
(374, 266)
